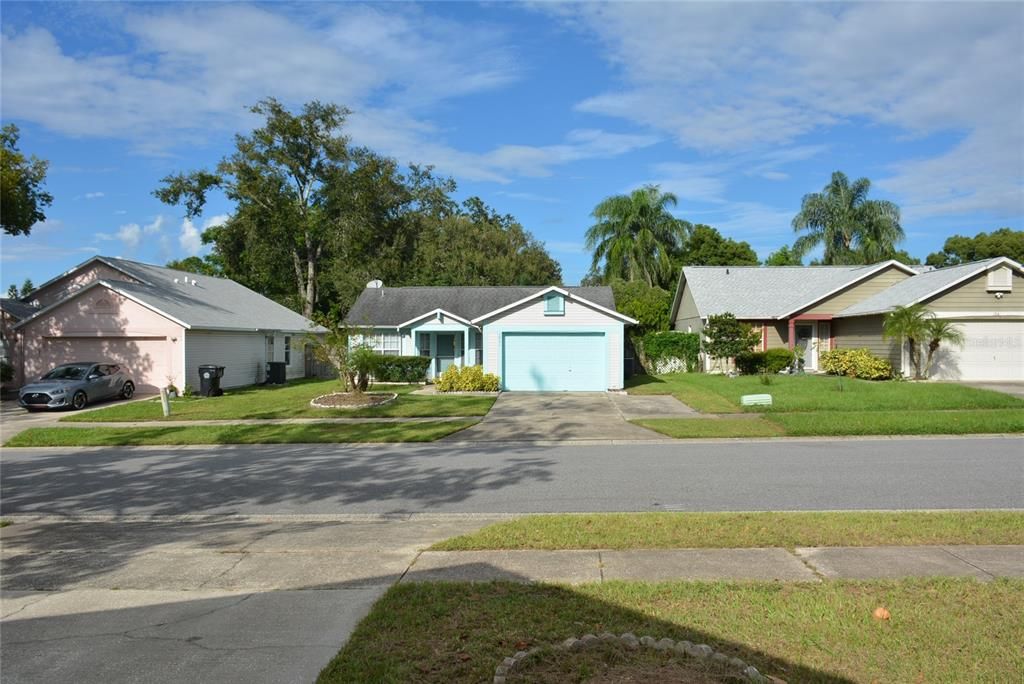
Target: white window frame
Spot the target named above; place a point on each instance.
(554, 304)
(288, 350)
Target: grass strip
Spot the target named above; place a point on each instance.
(742, 530)
(900, 423)
(695, 428)
(941, 630)
(288, 401)
(239, 434)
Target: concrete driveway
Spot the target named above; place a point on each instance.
(1014, 388)
(15, 419)
(569, 416)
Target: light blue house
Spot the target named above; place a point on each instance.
(553, 339)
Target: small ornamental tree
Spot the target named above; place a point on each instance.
(725, 337)
(353, 362)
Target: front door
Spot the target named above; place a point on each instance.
(807, 340)
(445, 355)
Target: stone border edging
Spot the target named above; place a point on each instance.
(314, 404)
(630, 641)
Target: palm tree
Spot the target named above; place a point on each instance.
(852, 228)
(937, 331)
(909, 324)
(635, 235)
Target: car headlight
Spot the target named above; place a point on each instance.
(57, 392)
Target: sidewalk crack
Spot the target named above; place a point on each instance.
(600, 566)
(964, 560)
(409, 567)
(818, 575)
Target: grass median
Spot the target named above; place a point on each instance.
(742, 530)
(315, 433)
(940, 629)
(843, 424)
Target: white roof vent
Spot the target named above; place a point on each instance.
(375, 285)
(193, 282)
(175, 281)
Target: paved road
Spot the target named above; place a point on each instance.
(481, 478)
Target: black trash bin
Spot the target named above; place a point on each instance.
(276, 372)
(209, 380)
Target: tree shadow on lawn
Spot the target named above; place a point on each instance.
(642, 380)
(438, 631)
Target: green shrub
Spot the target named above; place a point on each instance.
(855, 363)
(401, 368)
(661, 347)
(771, 361)
(467, 379)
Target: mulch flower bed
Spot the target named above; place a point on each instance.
(350, 400)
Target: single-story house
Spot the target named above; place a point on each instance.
(534, 338)
(829, 307)
(160, 324)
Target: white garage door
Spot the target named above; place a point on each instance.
(993, 350)
(145, 358)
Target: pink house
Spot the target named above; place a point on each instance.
(159, 323)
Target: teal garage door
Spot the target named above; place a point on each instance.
(554, 362)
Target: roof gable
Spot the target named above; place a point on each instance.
(199, 301)
(395, 306)
(925, 285)
(769, 292)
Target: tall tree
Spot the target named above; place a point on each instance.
(959, 249)
(12, 292)
(194, 264)
(783, 256)
(635, 235)
(852, 228)
(22, 198)
(707, 247)
(277, 175)
(27, 287)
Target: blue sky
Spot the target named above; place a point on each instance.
(541, 109)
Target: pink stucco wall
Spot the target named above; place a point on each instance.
(101, 325)
(73, 282)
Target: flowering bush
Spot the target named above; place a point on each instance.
(467, 379)
(855, 363)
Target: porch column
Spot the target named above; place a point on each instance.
(792, 334)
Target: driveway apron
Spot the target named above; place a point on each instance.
(554, 416)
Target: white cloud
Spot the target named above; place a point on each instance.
(218, 220)
(120, 212)
(93, 195)
(155, 227)
(130, 235)
(728, 78)
(190, 238)
(388, 64)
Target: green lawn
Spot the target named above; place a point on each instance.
(721, 394)
(239, 434)
(941, 630)
(742, 530)
(900, 422)
(289, 401)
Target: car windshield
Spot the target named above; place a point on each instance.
(74, 372)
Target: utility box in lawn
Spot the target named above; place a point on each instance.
(276, 372)
(209, 380)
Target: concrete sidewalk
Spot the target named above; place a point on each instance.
(806, 564)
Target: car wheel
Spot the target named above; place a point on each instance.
(79, 400)
(128, 390)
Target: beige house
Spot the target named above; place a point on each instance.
(829, 307)
(158, 323)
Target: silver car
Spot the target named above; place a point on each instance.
(75, 385)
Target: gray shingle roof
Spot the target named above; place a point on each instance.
(916, 288)
(764, 291)
(212, 303)
(396, 305)
(17, 309)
